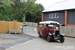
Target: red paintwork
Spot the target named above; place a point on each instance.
(45, 31)
(51, 30)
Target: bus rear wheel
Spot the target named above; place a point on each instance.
(39, 35)
(48, 38)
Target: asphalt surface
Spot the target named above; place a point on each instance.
(9, 40)
(33, 42)
(42, 44)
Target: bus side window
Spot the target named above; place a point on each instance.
(40, 25)
(44, 25)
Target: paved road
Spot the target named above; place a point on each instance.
(9, 40)
(41, 44)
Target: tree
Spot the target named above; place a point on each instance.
(5, 13)
(21, 11)
(33, 11)
(17, 10)
(5, 10)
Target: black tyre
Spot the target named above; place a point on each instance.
(39, 35)
(48, 38)
(62, 39)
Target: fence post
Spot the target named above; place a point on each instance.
(22, 30)
(33, 27)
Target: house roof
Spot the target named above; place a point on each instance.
(63, 5)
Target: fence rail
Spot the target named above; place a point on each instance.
(68, 31)
(5, 26)
(31, 24)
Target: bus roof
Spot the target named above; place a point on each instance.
(49, 22)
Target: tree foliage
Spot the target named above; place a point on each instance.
(5, 10)
(21, 11)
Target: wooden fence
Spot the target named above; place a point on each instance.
(68, 31)
(5, 26)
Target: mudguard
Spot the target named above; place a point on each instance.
(50, 34)
(62, 34)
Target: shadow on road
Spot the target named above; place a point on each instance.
(52, 41)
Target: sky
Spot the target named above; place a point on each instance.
(47, 3)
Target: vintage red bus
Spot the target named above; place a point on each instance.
(50, 30)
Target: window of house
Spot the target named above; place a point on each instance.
(57, 15)
(49, 15)
(54, 15)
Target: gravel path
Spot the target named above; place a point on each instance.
(9, 40)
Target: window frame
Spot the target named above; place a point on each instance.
(57, 15)
(53, 15)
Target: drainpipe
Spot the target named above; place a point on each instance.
(65, 18)
(42, 17)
